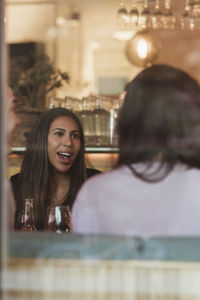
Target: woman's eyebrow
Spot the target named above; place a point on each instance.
(61, 129)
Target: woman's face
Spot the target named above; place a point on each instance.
(63, 143)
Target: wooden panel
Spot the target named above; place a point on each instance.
(90, 279)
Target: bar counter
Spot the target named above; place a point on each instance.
(68, 266)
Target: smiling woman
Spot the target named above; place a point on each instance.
(63, 143)
(53, 168)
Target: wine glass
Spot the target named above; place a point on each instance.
(186, 18)
(59, 219)
(133, 15)
(144, 19)
(168, 18)
(191, 17)
(157, 16)
(123, 17)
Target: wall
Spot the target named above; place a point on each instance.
(85, 48)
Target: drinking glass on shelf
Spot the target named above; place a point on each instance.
(56, 102)
(59, 219)
(73, 104)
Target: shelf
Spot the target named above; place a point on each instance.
(18, 149)
(88, 149)
(102, 150)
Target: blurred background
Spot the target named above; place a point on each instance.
(98, 47)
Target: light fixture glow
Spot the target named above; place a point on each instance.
(142, 48)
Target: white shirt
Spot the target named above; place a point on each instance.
(117, 202)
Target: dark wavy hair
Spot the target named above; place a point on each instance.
(160, 120)
(36, 169)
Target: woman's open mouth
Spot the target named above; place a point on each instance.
(65, 156)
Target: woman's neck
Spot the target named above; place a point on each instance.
(59, 187)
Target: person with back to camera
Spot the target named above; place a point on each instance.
(154, 189)
(53, 168)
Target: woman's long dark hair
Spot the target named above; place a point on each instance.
(36, 169)
(160, 121)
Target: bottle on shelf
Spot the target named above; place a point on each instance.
(77, 106)
(114, 111)
(51, 102)
(56, 102)
(28, 223)
(101, 123)
(87, 120)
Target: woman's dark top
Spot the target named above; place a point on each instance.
(15, 180)
(16, 183)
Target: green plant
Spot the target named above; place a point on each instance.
(32, 81)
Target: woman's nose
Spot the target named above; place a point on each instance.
(67, 140)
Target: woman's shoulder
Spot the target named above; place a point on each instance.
(14, 179)
(91, 172)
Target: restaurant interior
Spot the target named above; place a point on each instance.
(101, 45)
(100, 53)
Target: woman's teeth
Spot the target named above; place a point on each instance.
(64, 154)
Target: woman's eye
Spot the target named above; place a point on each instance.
(75, 135)
(59, 133)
